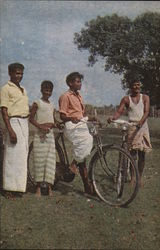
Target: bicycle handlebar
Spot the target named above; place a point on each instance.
(124, 122)
(94, 123)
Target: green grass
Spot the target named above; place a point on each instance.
(154, 125)
(70, 220)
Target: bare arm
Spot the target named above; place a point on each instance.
(56, 122)
(118, 113)
(63, 108)
(146, 102)
(12, 134)
(67, 119)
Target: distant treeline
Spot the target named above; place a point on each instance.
(104, 110)
(109, 110)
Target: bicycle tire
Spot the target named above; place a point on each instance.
(104, 176)
(121, 174)
(60, 163)
(63, 172)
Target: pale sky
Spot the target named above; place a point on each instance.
(39, 34)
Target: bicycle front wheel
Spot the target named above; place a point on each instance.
(114, 176)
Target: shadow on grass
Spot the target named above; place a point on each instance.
(67, 188)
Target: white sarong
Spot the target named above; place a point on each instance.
(139, 139)
(82, 141)
(15, 157)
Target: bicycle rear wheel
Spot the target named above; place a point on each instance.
(114, 176)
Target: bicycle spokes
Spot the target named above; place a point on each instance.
(114, 187)
(104, 165)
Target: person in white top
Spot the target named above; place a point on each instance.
(138, 106)
(44, 154)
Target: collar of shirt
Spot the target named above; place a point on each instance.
(14, 85)
(71, 92)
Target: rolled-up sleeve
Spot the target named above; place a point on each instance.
(63, 104)
(4, 97)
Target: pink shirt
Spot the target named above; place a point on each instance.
(71, 105)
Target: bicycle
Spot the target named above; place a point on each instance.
(107, 169)
(113, 171)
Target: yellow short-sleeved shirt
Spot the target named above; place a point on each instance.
(14, 100)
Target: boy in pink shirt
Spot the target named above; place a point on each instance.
(72, 112)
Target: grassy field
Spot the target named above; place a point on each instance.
(70, 220)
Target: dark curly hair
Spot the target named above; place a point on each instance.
(13, 66)
(47, 84)
(72, 76)
(133, 80)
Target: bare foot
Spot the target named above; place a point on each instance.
(141, 184)
(9, 195)
(38, 192)
(89, 189)
(20, 194)
(50, 192)
(73, 168)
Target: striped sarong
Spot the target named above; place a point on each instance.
(15, 157)
(82, 141)
(44, 157)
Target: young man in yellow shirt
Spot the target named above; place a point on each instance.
(15, 112)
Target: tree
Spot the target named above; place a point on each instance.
(129, 47)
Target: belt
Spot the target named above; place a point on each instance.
(19, 116)
(132, 121)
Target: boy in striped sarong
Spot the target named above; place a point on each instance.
(44, 154)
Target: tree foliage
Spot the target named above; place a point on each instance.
(129, 47)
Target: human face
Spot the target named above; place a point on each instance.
(16, 76)
(136, 87)
(76, 84)
(46, 93)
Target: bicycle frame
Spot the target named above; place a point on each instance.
(60, 136)
(125, 125)
(100, 165)
(109, 168)
(98, 146)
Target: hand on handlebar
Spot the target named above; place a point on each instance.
(110, 119)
